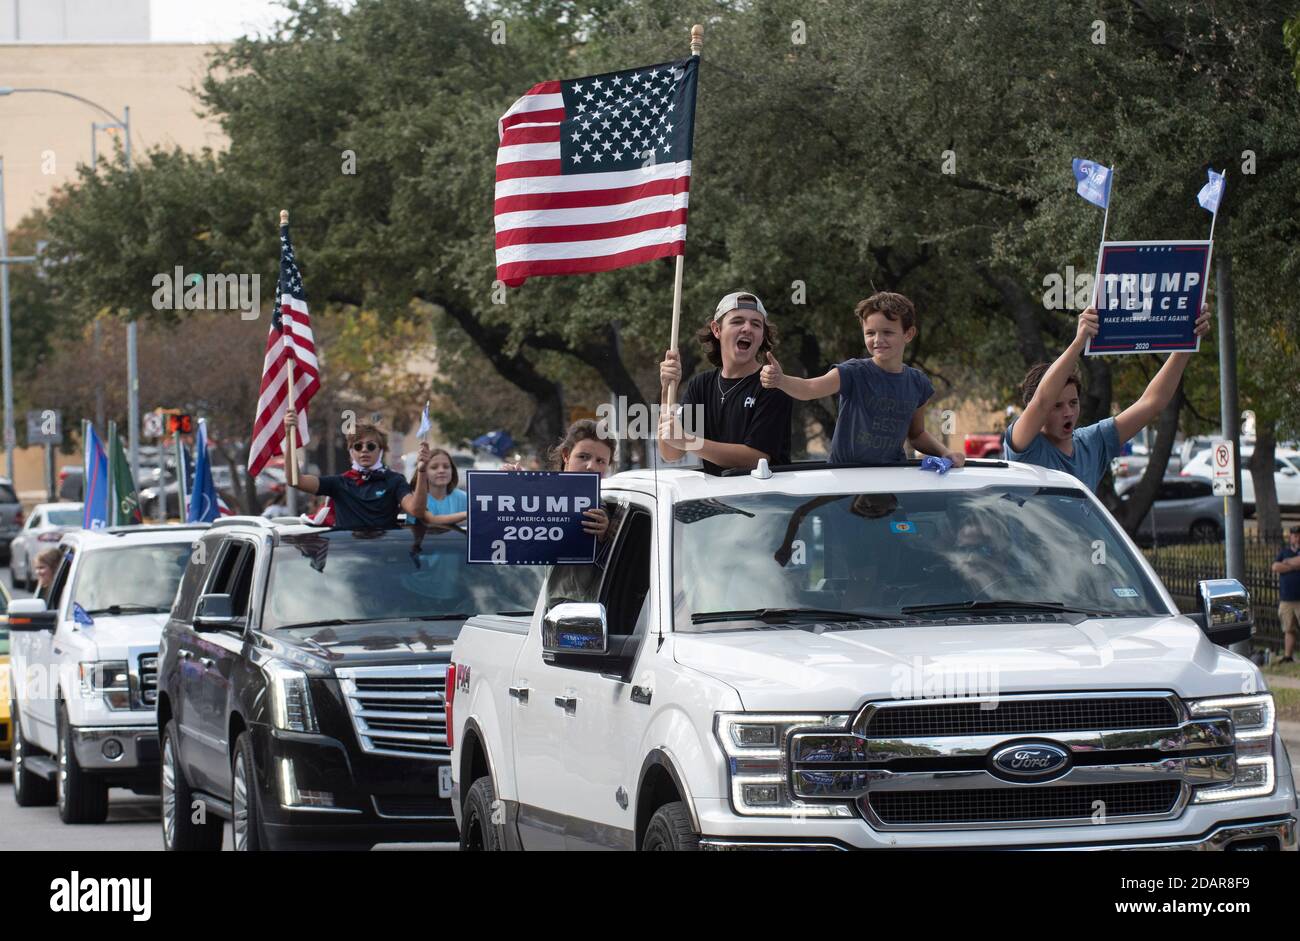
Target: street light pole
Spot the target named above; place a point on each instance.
(133, 376)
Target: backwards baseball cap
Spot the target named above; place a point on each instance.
(739, 300)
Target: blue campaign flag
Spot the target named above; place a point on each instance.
(1093, 181)
(425, 424)
(95, 470)
(203, 495)
(531, 517)
(1211, 193)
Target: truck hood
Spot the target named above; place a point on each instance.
(788, 669)
(375, 642)
(116, 636)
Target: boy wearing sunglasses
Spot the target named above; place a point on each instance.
(369, 495)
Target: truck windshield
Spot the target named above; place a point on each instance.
(742, 562)
(409, 573)
(130, 579)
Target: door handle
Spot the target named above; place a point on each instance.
(208, 662)
(520, 693)
(568, 703)
(186, 654)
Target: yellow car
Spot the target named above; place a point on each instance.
(6, 726)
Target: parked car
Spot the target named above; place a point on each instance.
(1185, 510)
(84, 713)
(70, 482)
(6, 723)
(302, 683)
(983, 444)
(11, 517)
(864, 658)
(45, 526)
(1286, 475)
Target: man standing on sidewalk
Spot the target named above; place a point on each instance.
(1287, 569)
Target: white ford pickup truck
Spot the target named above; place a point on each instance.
(837, 658)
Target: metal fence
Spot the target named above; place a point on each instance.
(1181, 566)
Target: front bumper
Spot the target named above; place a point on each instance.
(1264, 835)
(376, 799)
(139, 747)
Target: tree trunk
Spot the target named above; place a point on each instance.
(1132, 511)
(1268, 515)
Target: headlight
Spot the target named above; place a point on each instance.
(291, 708)
(1252, 724)
(758, 763)
(108, 677)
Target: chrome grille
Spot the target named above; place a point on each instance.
(398, 710)
(1021, 717)
(148, 671)
(1024, 804)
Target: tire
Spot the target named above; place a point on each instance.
(1206, 531)
(81, 797)
(246, 818)
(670, 829)
(30, 790)
(180, 832)
(477, 831)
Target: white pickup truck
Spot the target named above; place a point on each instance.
(838, 658)
(85, 670)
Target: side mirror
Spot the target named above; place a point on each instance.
(575, 628)
(30, 614)
(214, 613)
(1225, 615)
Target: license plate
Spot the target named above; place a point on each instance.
(444, 781)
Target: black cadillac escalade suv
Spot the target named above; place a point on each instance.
(301, 679)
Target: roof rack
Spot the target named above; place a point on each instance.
(150, 528)
(241, 521)
(840, 465)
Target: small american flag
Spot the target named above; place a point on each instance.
(290, 337)
(594, 173)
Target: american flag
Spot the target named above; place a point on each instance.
(594, 173)
(290, 337)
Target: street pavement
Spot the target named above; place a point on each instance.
(132, 823)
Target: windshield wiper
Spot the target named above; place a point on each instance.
(330, 622)
(1003, 605)
(515, 614)
(790, 615)
(124, 608)
(441, 617)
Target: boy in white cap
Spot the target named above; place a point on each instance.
(743, 422)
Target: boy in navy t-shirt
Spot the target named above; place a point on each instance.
(882, 400)
(369, 495)
(1047, 433)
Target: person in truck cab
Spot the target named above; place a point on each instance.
(369, 495)
(47, 563)
(587, 446)
(1047, 433)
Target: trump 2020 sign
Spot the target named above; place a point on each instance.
(530, 517)
(1150, 294)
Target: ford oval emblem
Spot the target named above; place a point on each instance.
(1029, 760)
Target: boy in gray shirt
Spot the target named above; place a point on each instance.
(882, 400)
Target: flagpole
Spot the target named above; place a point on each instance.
(291, 452)
(184, 498)
(697, 45)
(1105, 220)
(112, 484)
(1214, 216)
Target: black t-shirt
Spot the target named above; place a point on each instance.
(373, 504)
(740, 411)
(1288, 583)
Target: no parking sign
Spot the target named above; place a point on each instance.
(1222, 468)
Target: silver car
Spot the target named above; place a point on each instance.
(1185, 510)
(45, 526)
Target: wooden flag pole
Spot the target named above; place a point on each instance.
(291, 451)
(697, 44)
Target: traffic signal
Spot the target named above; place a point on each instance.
(180, 424)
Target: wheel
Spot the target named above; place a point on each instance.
(30, 790)
(246, 816)
(82, 797)
(670, 829)
(477, 829)
(1206, 531)
(180, 832)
